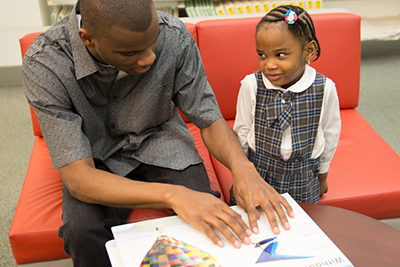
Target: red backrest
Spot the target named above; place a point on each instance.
(228, 51)
(25, 42)
(192, 29)
(339, 35)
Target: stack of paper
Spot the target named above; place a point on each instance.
(171, 241)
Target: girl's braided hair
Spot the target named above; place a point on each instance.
(302, 28)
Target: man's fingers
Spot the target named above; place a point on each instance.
(228, 223)
(206, 229)
(281, 213)
(276, 207)
(270, 213)
(287, 206)
(236, 224)
(253, 216)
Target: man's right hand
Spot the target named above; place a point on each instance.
(202, 210)
(206, 212)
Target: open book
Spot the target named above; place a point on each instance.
(171, 241)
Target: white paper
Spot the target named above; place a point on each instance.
(304, 239)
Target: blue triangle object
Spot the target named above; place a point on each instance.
(269, 253)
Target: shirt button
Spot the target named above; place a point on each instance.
(114, 98)
(136, 155)
(283, 101)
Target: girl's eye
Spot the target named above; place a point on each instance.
(281, 54)
(261, 54)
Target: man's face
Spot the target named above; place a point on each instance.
(129, 51)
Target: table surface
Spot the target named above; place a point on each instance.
(364, 240)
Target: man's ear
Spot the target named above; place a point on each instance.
(311, 50)
(86, 37)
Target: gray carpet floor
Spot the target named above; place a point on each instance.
(379, 104)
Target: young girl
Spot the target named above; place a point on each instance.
(288, 119)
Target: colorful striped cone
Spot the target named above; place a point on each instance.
(167, 251)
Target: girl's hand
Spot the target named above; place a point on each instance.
(323, 183)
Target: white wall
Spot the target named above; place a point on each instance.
(17, 17)
(19, 14)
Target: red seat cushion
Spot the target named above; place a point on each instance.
(364, 173)
(34, 231)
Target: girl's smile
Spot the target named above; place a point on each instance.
(273, 77)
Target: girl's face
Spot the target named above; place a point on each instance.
(282, 56)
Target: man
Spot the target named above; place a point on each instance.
(105, 84)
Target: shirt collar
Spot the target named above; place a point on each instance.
(305, 81)
(85, 64)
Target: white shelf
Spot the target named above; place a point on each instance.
(72, 2)
(380, 18)
(47, 7)
(61, 2)
(194, 20)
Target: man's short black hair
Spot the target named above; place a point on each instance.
(133, 15)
